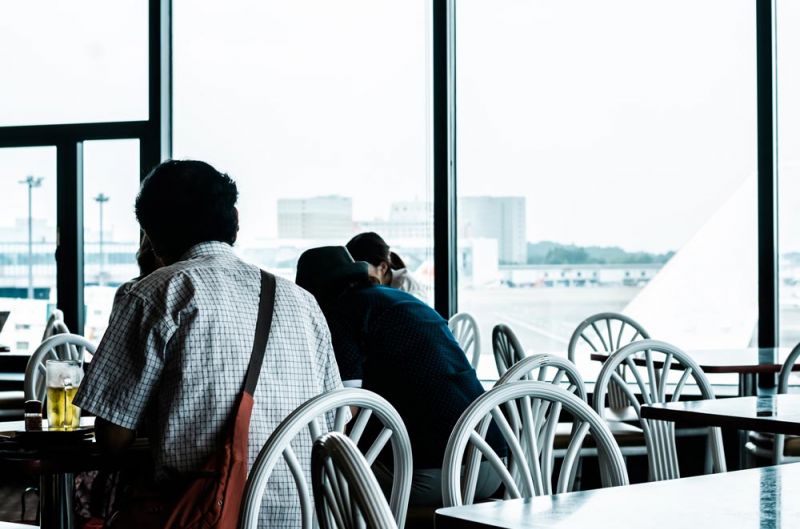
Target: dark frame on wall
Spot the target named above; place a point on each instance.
(155, 141)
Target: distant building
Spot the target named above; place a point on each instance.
(499, 218)
(407, 220)
(329, 217)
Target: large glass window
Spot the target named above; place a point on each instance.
(320, 112)
(27, 244)
(73, 62)
(788, 55)
(111, 233)
(607, 162)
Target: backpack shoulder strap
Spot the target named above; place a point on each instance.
(266, 305)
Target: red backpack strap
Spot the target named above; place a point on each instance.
(266, 305)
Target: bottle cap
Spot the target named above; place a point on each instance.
(33, 406)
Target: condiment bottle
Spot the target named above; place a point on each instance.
(33, 415)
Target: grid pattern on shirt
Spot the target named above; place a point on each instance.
(177, 349)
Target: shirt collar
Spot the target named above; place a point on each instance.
(207, 248)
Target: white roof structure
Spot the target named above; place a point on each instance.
(706, 296)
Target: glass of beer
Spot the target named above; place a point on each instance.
(63, 379)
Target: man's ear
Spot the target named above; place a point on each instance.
(384, 267)
(236, 216)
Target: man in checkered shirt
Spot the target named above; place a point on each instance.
(179, 340)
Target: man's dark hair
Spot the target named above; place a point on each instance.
(185, 202)
(369, 247)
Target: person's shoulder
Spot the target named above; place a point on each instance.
(395, 295)
(144, 287)
(155, 287)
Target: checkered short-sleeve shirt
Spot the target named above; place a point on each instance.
(177, 349)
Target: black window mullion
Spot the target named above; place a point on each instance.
(444, 162)
(768, 324)
(156, 145)
(69, 249)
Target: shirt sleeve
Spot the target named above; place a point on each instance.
(125, 372)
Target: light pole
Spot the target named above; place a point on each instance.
(31, 182)
(101, 199)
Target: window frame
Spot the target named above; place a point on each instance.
(155, 140)
(155, 145)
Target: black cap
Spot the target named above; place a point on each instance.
(328, 269)
(33, 406)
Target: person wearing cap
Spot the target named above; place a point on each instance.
(390, 342)
(385, 266)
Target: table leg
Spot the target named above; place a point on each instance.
(747, 388)
(55, 501)
(747, 384)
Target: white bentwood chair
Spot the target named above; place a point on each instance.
(506, 348)
(346, 493)
(55, 325)
(547, 368)
(526, 414)
(311, 416)
(653, 382)
(606, 332)
(465, 329)
(57, 347)
(562, 373)
(629, 438)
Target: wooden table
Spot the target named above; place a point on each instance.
(770, 413)
(56, 467)
(747, 363)
(762, 498)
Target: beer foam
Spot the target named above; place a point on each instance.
(61, 374)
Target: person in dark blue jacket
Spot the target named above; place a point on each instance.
(390, 342)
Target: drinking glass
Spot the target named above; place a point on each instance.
(63, 379)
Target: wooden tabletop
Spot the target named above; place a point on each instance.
(763, 498)
(75, 456)
(773, 413)
(748, 360)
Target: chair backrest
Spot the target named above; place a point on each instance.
(547, 368)
(659, 361)
(57, 347)
(310, 416)
(55, 325)
(606, 332)
(783, 387)
(346, 493)
(465, 329)
(786, 370)
(526, 414)
(506, 348)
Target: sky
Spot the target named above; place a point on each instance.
(625, 122)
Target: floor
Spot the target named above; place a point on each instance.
(11, 506)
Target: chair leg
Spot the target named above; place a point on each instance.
(576, 483)
(23, 501)
(708, 466)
